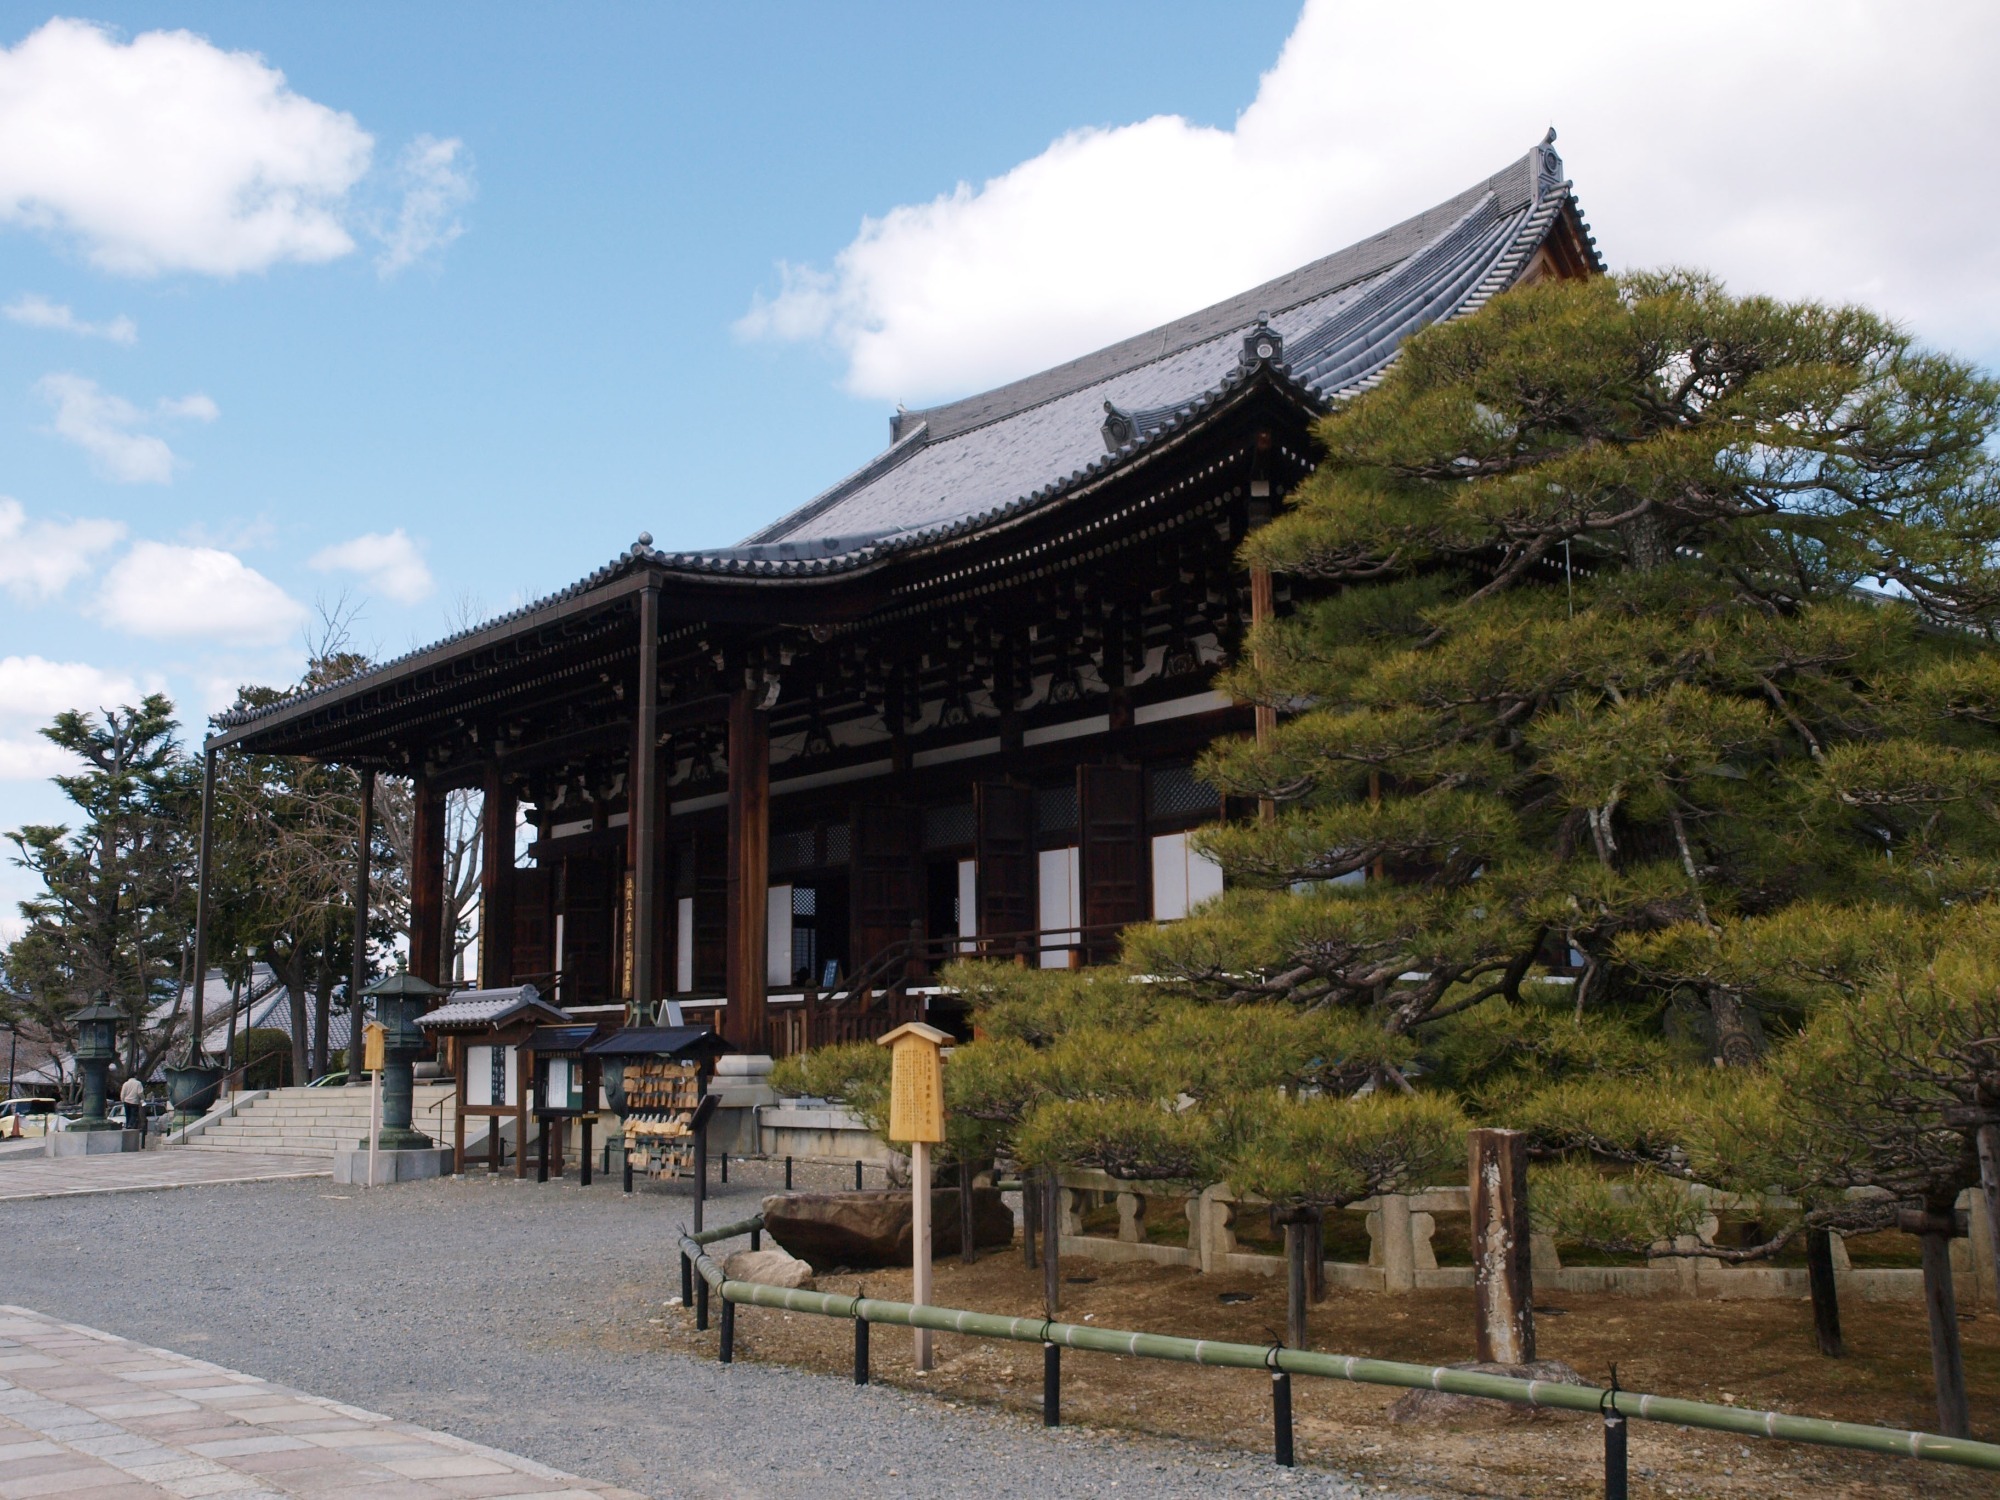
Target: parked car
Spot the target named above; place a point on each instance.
(26, 1116)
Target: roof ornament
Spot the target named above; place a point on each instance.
(1549, 166)
(644, 545)
(1119, 428)
(1262, 345)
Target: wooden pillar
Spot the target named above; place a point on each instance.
(204, 858)
(357, 971)
(642, 831)
(427, 882)
(1501, 1273)
(496, 878)
(749, 868)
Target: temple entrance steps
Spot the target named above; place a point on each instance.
(318, 1121)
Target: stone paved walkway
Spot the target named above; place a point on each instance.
(86, 1416)
(141, 1171)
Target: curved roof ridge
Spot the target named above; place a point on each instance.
(1513, 187)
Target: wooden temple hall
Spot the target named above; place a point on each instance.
(950, 705)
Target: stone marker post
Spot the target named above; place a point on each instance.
(1501, 1272)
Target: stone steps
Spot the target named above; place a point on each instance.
(302, 1121)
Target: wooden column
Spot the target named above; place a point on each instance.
(427, 882)
(204, 853)
(1501, 1274)
(749, 868)
(642, 831)
(357, 971)
(496, 866)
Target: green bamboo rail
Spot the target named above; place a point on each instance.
(1858, 1436)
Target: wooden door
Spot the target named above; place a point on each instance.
(885, 879)
(533, 947)
(1005, 851)
(591, 890)
(1111, 810)
(709, 885)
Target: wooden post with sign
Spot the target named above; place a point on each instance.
(374, 1050)
(916, 1115)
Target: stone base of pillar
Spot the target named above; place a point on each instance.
(95, 1142)
(350, 1165)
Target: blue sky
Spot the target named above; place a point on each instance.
(476, 293)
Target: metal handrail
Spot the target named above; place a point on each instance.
(1278, 1360)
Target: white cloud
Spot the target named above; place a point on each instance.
(167, 153)
(33, 690)
(162, 590)
(113, 431)
(39, 561)
(36, 311)
(436, 183)
(1795, 148)
(389, 562)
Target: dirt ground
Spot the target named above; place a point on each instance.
(1752, 1354)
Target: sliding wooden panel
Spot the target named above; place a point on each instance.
(1111, 803)
(1005, 851)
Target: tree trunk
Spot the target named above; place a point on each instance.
(1735, 1047)
(322, 1012)
(1947, 1357)
(293, 972)
(1825, 1293)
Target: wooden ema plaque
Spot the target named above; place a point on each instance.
(916, 1083)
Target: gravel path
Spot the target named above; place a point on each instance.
(499, 1292)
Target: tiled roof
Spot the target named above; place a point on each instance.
(969, 464)
(485, 1007)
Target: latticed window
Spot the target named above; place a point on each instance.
(1178, 793)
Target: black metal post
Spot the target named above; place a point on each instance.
(756, 1239)
(1030, 1217)
(687, 1281)
(1052, 1385)
(542, 1165)
(628, 1169)
(1051, 1241)
(357, 973)
(203, 857)
(857, 1177)
(725, 1169)
(1281, 1418)
(700, 1171)
(701, 1304)
(966, 1254)
(861, 1351)
(1614, 1457)
(727, 1353)
(788, 1174)
(583, 1158)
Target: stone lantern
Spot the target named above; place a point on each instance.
(400, 998)
(96, 1050)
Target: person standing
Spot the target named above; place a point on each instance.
(133, 1096)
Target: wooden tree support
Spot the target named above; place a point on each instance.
(1502, 1273)
(1825, 1293)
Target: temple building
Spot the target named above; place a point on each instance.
(949, 705)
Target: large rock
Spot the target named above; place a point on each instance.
(1448, 1407)
(768, 1267)
(873, 1228)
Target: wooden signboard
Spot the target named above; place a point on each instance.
(916, 1083)
(372, 1047)
(916, 1115)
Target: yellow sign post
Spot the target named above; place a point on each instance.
(916, 1115)
(374, 1053)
